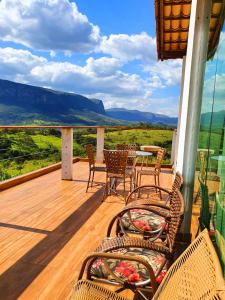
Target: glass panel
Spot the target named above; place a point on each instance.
(210, 167)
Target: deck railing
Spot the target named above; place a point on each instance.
(67, 142)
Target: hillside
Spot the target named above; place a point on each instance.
(139, 116)
(218, 120)
(21, 103)
(26, 104)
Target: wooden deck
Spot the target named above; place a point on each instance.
(47, 226)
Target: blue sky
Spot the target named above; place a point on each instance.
(101, 49)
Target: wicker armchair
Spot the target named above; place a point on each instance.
(116, 170)
(92, 167)
(147, 171)
(135, 263)
(146, 195)
(131, 148)
(88, 290)
(196, 273)
(135, 218)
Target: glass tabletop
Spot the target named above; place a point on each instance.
(143, 153)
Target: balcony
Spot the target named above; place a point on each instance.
(44, 226)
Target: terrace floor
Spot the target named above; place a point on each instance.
(47, 226)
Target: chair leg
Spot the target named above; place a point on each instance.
(137, 177)
(105, 193)
(89, 177)
(155, 183)
(131, 183)
(160, 193)
(124, 188)
(93, 174)
(139, 180)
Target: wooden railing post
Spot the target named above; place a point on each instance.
(100, 144)
(67, 153)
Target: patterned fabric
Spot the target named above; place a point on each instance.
(143, 220)
(130, 271)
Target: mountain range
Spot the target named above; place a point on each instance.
(140, 116)
(26, 104)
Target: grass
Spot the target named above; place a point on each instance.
(32, 150)
(162, 138)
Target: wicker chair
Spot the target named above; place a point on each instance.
(88, 290)
(116, 170)
(152, 172)
(196, 274)
(135, 218)
(92, 167)
(132, 158)
(134, 263)
(131, 148)
(146, 195)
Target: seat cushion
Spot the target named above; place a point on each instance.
(131, 271)
(143, 220)
(99, 169)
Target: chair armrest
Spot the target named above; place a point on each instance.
(148, 202)
(129, 199)
(161, 210)
(96, 255)
(115, 243)
(165, 213)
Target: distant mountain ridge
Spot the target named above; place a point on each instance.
(139, 116)
(27, 104)
(22, 103)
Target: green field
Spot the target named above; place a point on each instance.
(25, 151)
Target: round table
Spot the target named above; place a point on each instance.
(150, 148)
(145, 156)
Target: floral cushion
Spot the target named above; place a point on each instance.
(131, 271)
(143, 220)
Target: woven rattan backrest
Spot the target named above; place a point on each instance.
(176, 212)
(116, 161)
(89, 290)
(131, 148)
(90, 154)
(196, 274)
(159, 158)
(202, 160)
(178, 181)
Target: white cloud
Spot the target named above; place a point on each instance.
(129, 47)
(47, 25)
(97, 76)
(168, 71)
(15, 64)
(103, 66)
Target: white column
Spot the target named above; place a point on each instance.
(100, 144)
(192, 99)
(173, 149)
(67, 153)
(179, 113)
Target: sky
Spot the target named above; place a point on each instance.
(97, 48)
